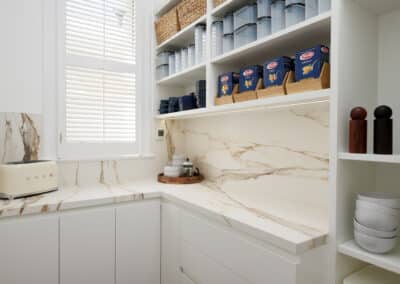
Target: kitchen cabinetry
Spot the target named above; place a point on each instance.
(87, 246)
(29, 250)
(138, 243)
(201, 250)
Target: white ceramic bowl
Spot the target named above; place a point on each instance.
(382, 198)
(366, 205)
(373, 233)
(377, 220)
(172, 171)
(374, 244)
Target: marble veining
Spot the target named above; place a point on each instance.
(19, 136)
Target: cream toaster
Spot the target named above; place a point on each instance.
(20, 179)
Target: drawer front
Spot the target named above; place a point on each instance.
(201, 269)
(247, 258)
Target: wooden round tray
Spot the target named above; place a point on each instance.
(180, 180)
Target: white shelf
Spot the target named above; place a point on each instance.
(186, 77)
(390, 261)
(374, 158)
(183, 38)
(312, 31)
(274, 102)
(228, 6)
(166, 6)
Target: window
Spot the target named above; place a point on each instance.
(98, 75)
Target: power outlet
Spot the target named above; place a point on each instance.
(160, 134)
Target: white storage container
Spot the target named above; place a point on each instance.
(216, 38)
(294, 14)
(191, 56)
(228, 24)
(227, 44)
(263, 27)
(162, 58)
(178, 61)
(184, 58)
(277, 15)
(324, 5)
(171, 63)
(264, 8)
(199, 30)
(245, 35)
(290, 2)
(311, 8)
(245, 15)
(204, 47)
(162, 71)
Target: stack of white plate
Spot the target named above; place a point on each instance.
(377, 220)
(175, 169)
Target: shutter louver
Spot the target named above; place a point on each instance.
(100, 80)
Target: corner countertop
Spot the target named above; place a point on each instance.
(242, 214)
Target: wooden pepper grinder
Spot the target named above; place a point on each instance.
(383, 130)
(358, 131)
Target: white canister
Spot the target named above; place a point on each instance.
(216, 38)
(324, 6)
(227, 44)
(228, 24)
(204, 47)
(171, 63)
(191, 56)
(178, 61)
(198, 42)
(277, 15)
(311, 8)
(184, 58)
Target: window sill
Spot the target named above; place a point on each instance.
(145, 156)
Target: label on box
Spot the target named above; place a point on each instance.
(309, 62)
(276, 70)
(249, 78)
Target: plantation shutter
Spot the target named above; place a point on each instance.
(100, 72)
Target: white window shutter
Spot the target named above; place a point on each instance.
(100, 74)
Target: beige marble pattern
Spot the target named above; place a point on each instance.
(19, 137)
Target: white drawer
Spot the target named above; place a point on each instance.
(200, 269)
(244, 256)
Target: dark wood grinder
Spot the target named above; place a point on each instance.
(383, 130)
(358, 131)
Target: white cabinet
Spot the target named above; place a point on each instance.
(170, 244)
(21, 55)
(87, 246)
(138, 243)
(29, 250)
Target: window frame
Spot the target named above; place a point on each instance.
(96, 151)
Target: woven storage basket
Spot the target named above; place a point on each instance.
(167, 25)
(218, 2)
(190, 10)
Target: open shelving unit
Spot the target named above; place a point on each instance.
(366, 33)
(285, 42)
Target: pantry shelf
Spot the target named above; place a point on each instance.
(390, 261)
(268, 103)
(228, 6)
(186, 77)
(310, 32)
(183, 38)
(374, 158)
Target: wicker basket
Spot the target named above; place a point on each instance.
(218, 2)
(190, 10)
(167, 25)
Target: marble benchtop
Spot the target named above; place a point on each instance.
(294, 236)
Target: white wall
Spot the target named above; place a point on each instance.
(21, 56)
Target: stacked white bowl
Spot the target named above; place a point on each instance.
(377, 221)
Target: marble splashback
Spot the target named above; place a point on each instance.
(19, 137)
(263, 156)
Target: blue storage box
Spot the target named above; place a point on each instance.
(187, 102)
(226, 82)
(276, 70)
(249, 77)
(309, 62)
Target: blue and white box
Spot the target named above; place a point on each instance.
(276, 70)
(226, 83)
(309, 62)
(249, 78)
